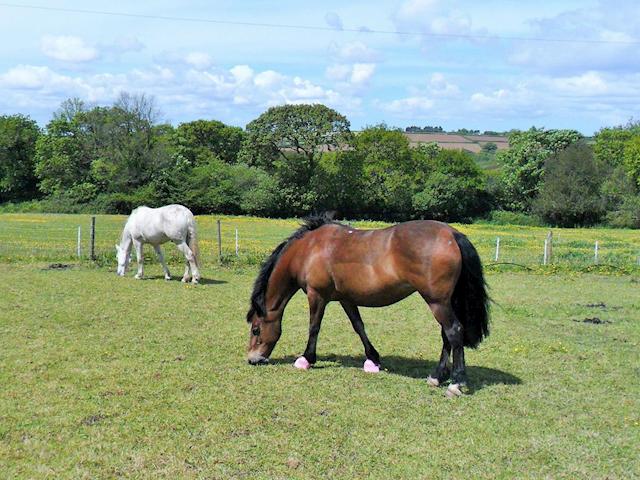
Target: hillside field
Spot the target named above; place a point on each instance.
(107, 377)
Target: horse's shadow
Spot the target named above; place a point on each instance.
(202, 281)
(479, 377)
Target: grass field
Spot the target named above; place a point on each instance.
(106, 377)
(53, 238)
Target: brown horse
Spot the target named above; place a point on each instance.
(330, 261)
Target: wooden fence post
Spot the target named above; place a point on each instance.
(595, 254)
(236, 241)
(497, 248)
(79, 241)
(219, 242)
(93, 239)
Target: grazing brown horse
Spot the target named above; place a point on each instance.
(330, 261)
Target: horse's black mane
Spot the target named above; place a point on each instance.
(260, 286)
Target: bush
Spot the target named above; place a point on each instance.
(502, 217)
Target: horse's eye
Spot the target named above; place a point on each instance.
(255, 331)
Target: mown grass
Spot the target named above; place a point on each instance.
(53, 238)
(106, 377)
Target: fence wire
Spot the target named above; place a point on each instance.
(54, 238)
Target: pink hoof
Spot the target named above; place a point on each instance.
(371, 367)
(302, 363)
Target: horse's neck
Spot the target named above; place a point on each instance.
(280, 288)
(126, 240)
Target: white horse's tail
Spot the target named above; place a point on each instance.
(192, 240)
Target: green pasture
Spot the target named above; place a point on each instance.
(53, 238)
(108, 377)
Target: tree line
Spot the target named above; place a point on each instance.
(296, 159)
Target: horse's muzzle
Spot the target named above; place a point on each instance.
(257, 360)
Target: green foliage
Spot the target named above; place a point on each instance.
(489, 147)
(452, 187)
(292, 132)
(18, 136)
(523, 163)
(503, 217)
(195, 139)
(632, 159)
(570, 194)
(387, 170)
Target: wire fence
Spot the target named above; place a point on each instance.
(248, 240)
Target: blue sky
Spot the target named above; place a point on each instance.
(491, 66)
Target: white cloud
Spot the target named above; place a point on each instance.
(441, 87)
(68, 49)
(362, 73)
(409, 106)
(333, 20)
(353, 52)
(348, 76)
(433, 17)
(601, 22)
(199, 60)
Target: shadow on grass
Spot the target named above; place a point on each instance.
(203, 281)
(479, 377)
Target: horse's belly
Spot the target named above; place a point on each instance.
(368, 287)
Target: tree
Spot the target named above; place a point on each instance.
(294, 132)
(523, 163)
(451, 188)
(489, 148)
(288, 142)
(571, 195)
(192, 139)
(387, 170)
(18, 137)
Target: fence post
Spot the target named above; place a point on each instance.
(544, 256)
(93, 238)
(595, 254)
(79, 241)
(236, 241)
(219, 241)
(497, 248)
(549, 246)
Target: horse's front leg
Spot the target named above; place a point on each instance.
(140, 257)
(317, 305)
(372, 363)
(167, 275)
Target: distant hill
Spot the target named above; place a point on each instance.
(452, 141)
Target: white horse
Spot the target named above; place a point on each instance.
(156, 226)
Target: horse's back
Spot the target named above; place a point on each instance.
(379, 267)
(162, 224)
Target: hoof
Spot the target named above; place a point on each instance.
(195, 281)
(454, 390)
(433, 382)
(138, 277)
(302, 364)
(370, 367)
(167, 278)
(185, 279)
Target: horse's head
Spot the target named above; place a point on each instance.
(264, 334)
(123, 256)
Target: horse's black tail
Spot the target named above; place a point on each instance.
(470, 299)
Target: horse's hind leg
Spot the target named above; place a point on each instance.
(191, 263)
(167, 275)
(140, 258)
(452, 329)
(356, 321)
(443, 370)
